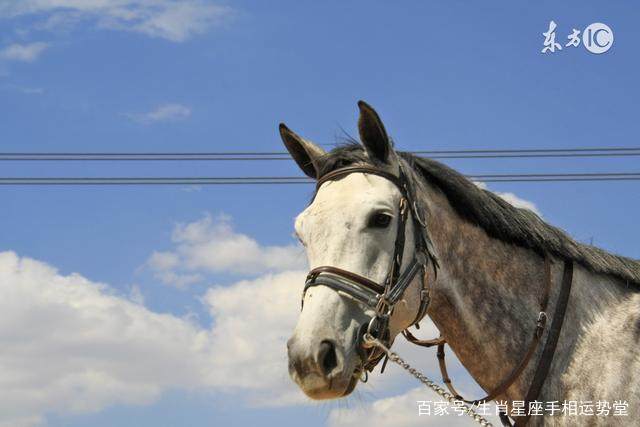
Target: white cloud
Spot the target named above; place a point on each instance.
(135, 295)
(192, 188)
(513, 199)
(520, 203)
(401, 411)
(163, 113)
(70, 345)
(253, 320)
(23, 52)
(25, 90)
(174, 20)
(211, 245)
(32, 90)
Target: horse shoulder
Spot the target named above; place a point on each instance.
(606, 362)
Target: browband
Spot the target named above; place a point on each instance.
(338, 173)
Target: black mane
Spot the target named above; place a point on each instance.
(497, 217)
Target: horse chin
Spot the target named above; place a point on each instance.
(336, 388)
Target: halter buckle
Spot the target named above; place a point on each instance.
(424, 296)
(542, 321)
(403, 206)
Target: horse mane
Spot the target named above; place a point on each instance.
(498, 218)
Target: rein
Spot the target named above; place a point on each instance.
(382, 298)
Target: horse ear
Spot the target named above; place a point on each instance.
(372, 133)
(306, 154)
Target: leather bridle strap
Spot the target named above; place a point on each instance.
(359, 287)
(513, 376)
(367, 291)
(544, 364)
(356, 278)
(338, 173)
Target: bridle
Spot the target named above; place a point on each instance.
(382, 298)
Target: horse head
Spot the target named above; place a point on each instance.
(360, 240)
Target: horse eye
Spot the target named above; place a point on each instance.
(380, 220)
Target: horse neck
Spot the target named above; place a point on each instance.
(486, 300)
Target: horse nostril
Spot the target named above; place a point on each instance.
(327, 357)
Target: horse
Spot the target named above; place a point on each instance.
(483, 267)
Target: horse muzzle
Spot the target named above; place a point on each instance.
(323, 370)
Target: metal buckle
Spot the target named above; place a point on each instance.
(377, 328)
(367, 343)
(542, 321)
(380, 306)
(403, 206)
(542, 318)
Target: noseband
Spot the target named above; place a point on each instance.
(382, 298)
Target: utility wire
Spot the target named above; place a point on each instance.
(247, 183)
(281, 155)
(273, 180)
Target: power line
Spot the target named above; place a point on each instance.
(165, 158)
(221, 183)
(259, 153)
(281, 155)
(274, 180)
(547, 175)
(532, 150)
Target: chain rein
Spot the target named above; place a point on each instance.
(369, 340)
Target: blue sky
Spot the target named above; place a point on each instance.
(132, 75)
